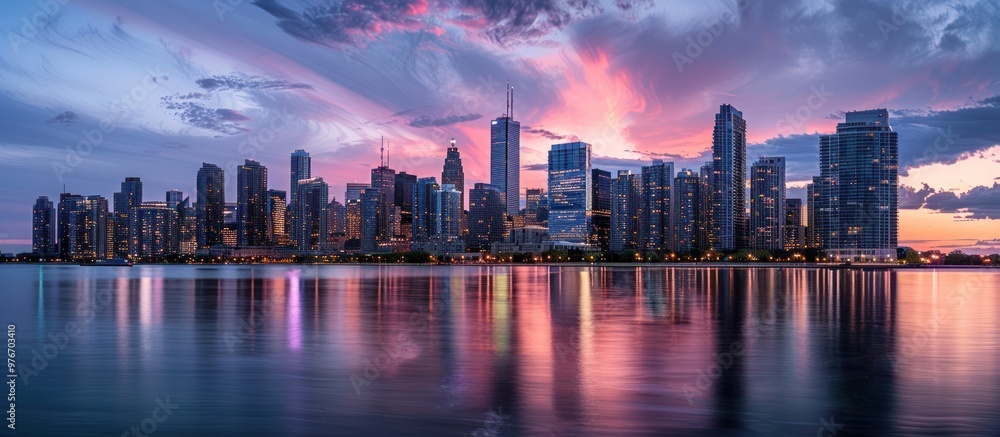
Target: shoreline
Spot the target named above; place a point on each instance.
(672, 265)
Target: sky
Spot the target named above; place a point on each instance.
(92, 92)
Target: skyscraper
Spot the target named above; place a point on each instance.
(795, 232)
(729, 148)
(686, 204)
(174, 198)
(43, 227)
(372, 204)
(403, 201)
(812, 202)
(154, 230)
(453, 173)
(767, 204)
(128, 198)
(277, 211)
(705, 228)
(487, 216)
(447, 212)
(600, 223)
(570, 193)
(384, 180)
(335, 217)
(536, 209)
(424, 207)
(505, 156)
(301, 168)
(311, 212)
(211, 204)
(352, 210)
(83, 227)
(626, 198)
(251, 201)
(656, 229)
(858, 191)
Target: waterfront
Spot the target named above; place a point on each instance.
(507, 350)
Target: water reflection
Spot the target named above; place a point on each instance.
(551, 349)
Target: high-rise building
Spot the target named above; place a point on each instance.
(505, 156)
(372, 204)
(43, 227)
(453, 172)
(600, 224)
(447, 212)
(384, 180)
(626, 199)
(656, 229)
(424, 207)
(570, 193)
(211, 204)
(487, 217)
(335, 217)
(686, 202)
(352, 210)
(187, 219)
(128, 198)
(83, 227)
(154, 230)
(795, 231)
(301, 168)
(536, 210)
(174, 198)
(729, 148)
(251, 195)
(403, 201)
(812, 202)
(705, 236)
(858, 191)
(767, 203)
(311, 211)
(277, 212)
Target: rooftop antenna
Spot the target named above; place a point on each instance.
(511, 103)
(386, 153)
(507, 99)
(381, 156)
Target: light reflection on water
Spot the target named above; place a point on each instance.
(305, 350)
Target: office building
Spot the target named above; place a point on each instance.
(352, 210)
(767, 204)
(453, 173)
(505, 156)
(403, 202)
(424, 207)
(211, 204)
(570, 193)
(371, 206)
(154, 230)
(626, 200)
(487, 217)
(704, 240)
(311, 235)
(83, 228)
(729, 147)
(812, 202)
(174, 198)
(43, 227)
(655, 230)
(859, 188)
(125, 200)
(795, 231)
(600, 223)
(447, 212)
(251, 204)
(536, 210)
(686, 202)
(277, 213)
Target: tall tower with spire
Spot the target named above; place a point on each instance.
(453, 173)
(505, 155)
(384, 180)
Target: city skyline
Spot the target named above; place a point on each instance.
(948, 132)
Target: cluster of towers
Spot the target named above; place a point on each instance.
(851, 205)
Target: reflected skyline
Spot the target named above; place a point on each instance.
(555, 349)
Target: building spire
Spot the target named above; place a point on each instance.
(381, 156)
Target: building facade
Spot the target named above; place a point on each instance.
(453, 172)
(767, 204)
(600, 224)
(487, 217)
(43, 227)
(125, 201)
(729, 147)
(795, 230)
(311, 222)
(251, 204)
(570, 190)
(505, 157)
(859, 188)
(685, 212)
(655, 228)
(211, 204)
(626, 200)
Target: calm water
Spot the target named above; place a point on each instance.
(345, 350)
